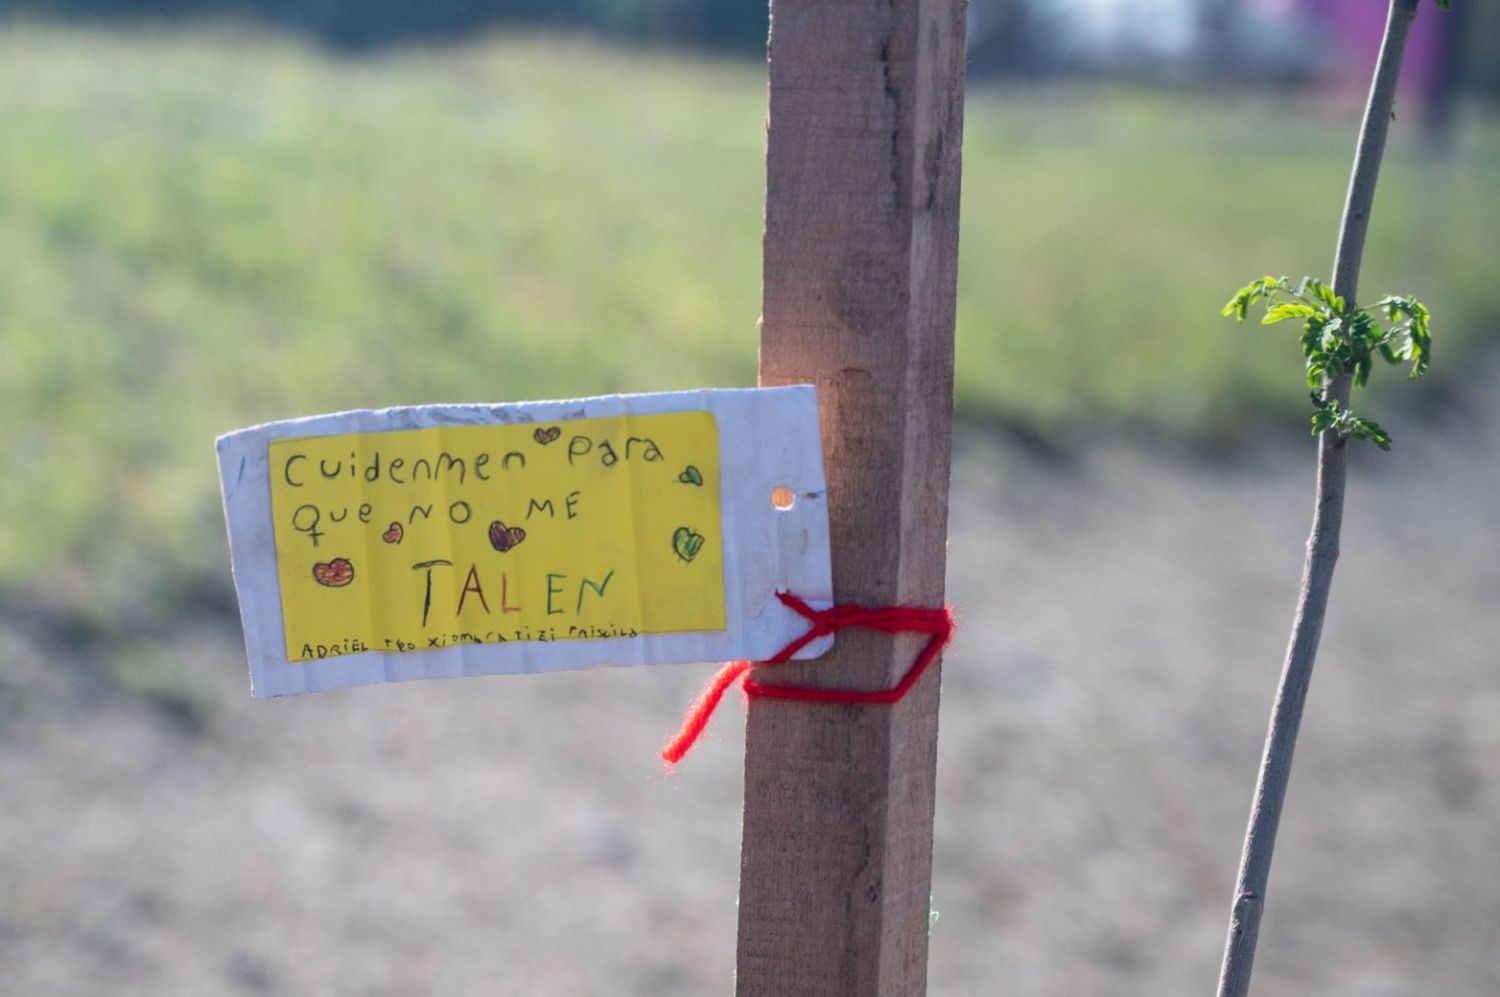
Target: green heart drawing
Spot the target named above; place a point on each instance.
(691, 476)
(686, 544)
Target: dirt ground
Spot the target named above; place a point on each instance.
(1124, 611)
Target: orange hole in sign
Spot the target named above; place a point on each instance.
(783, 497)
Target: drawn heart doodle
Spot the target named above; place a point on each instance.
(393, 534)
(335, 574)
(547, 435)
(686, 544)
(504, 538)
(691, 476)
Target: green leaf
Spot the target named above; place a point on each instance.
(1420, 350)
(1288, 310)
(1331, 417)
(1247, 295)
(1364, 429)
(1326, 295)
(1338, 340)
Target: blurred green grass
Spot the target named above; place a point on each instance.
(203, 230)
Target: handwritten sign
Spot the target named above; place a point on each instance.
(490, 534)
(464, 540)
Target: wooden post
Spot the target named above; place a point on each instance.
(861, 251)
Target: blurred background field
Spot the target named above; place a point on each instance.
(208, 226)
(204, 230)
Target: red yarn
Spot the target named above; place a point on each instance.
(892, 619)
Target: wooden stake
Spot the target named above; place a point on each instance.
(861, 252)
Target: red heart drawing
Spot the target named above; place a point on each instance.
(393, 534)
(504, 538)
(335, 574)
(546, 436)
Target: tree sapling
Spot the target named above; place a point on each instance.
(1340, 343)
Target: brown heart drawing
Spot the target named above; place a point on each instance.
(547, 435)
(335, 574)
(393, 534)
(504, 538)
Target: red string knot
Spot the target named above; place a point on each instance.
(938, 624)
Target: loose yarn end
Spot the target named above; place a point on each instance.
(937, 623)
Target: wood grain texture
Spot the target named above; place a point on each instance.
(861, 251)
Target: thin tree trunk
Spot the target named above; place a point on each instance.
(1322, 545)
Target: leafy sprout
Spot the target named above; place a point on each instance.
(1339, 339)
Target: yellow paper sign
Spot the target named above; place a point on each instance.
(411, 540)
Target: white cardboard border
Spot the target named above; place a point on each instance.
(767, 437)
